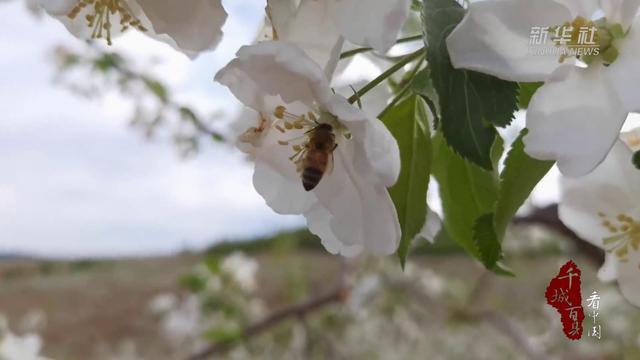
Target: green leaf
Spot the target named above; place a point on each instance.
(423, 86)
(193, 283)
(471, 103)
(467, 193)
(520, 175)
(222, 335)
(408, 122)
(526, 93)
(157, 88)
(484, 236)
(636, 159)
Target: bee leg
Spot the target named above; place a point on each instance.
(332, 160)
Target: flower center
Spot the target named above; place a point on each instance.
(100, 14)
(588, 40)
(308, 123)
(625, 233)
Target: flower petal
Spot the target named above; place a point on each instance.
(274, 68)
(620, 11)
(494, 38)
(584, 8)
(612, 188)
(609, 270)
(380, 26)
(575, 118)
(79, 27)
(362, 213)
(276, 180)
(632, 139)
(629, 277)
(431, 227)
(319, 223)
(624, 74)
(376, 151)
(194, 25)
(57, 7)
(311, 28)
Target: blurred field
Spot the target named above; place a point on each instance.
(100, 309)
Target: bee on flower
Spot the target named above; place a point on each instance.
(315, 154)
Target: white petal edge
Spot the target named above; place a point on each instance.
(612, 188)
(431, 227)
(371, 23)
(620, 11)
(629, 277)
(376, 152)
(362, 213)
(311, 29)
(574, 118)
(276, 180)
(194, 25)
(274, 68)
(624, 74)
(57, 7)
(494, 38)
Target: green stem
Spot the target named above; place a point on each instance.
(382, 77)
(405, 88)
(350, 53)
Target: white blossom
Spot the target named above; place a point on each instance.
(350, 208)
(191, 26)
(576, 116)
(242, 269)
(14, 347)
(319, 26)
(603, 208)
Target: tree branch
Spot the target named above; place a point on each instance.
(301, 310)
(548, 216)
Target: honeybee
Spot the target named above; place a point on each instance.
(317, 155)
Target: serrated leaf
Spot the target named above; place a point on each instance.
(485, 239)
(408, 122)
(471, 103)
(423, 86)
(467, 192)
(526, 93)
(520, 175)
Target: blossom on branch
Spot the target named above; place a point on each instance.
(603, 208)
(191, 26)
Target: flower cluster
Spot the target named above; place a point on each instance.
(583, 100)
(576, 116)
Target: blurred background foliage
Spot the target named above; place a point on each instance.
(283, 297)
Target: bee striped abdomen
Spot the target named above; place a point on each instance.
(311, 176)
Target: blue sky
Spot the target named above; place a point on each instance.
(75, 180)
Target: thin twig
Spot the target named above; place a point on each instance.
(296, 311)
(350, 53)
(382, 77)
